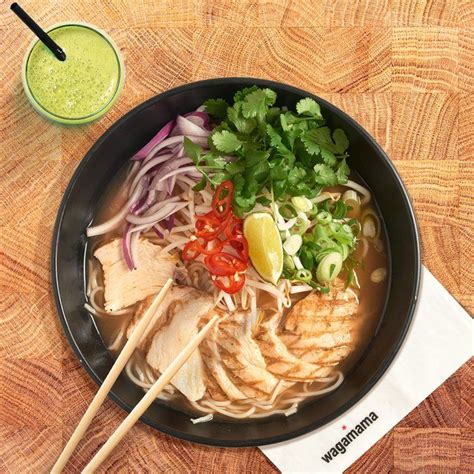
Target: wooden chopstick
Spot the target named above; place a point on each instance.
(112, 376)
(149, 398)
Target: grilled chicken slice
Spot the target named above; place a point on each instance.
(323, 312)
(180, 328)
(123, 287)
(212, 387)
(175, 296)
(280, 361)
(242, 357)
(213, 362)
(318, 328)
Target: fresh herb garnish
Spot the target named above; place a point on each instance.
(291, 153)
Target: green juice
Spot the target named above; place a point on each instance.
(81, 88)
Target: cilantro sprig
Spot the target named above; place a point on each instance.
(291, 153)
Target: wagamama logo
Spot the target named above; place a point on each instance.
(340, 447)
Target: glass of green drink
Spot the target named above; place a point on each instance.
(84, 86)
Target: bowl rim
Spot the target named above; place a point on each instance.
(376, 376)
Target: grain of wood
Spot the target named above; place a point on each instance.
(445, 445)
(425, 59)
(426, 12)
(466, 61)
(425, 126)
(403, 68)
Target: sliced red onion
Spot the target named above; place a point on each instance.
(186, 127)
(158, 138)
(157, 216)
(148, 167)
(184, 169)
(180, 151)
(165, 169)
(175, 140)
(171, 183)
(151, 197)
(160, 204)
(196, 175)
(201, 119)
(141, 228)
(127, 248)
(136, 207)
(169, 223)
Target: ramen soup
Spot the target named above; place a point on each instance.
(254, 213)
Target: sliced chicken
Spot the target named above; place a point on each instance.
(307, 351)
(241, 356)
(318, 328)
(323, 312)
(123, 287)
(212, 387)
(213, 362)
(180, 328)
(280, 361)
(174, 298)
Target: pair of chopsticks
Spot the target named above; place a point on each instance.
(150, 396)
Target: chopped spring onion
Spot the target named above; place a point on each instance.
(302, 203)
(350, 195)
(288, 263)
(344, 251)
(301, 223)
(324, 217)
(293, 244)
(352, 200)
(329, 267)
(370, 225)
(360, 189)
(287, 211)
(287, 225)
(297, 262)
(303, 275)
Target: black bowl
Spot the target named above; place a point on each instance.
(106, 157)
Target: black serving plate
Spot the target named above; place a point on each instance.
(78, 206)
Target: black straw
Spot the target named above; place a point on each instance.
(41, 34)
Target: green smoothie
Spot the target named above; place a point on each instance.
(81, 88)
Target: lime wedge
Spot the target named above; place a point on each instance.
(265, 248)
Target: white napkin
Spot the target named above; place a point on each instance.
(438, 343)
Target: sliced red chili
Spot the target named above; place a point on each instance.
(234, 226)
(222, 200)
(239, 243)
(230, 284)
(192, 250)
(224, 264)
(212, 247)
(208, 226)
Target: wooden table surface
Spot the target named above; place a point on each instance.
(404, 69)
